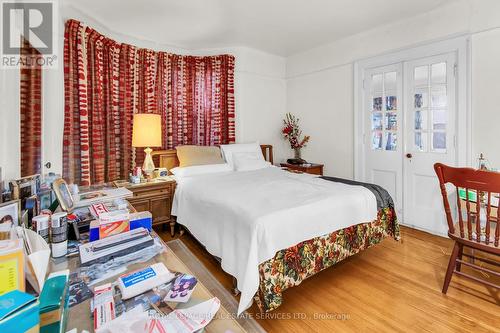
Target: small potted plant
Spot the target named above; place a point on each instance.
(292, 132)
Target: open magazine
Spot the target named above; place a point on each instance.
(88, 198)
(187, 320)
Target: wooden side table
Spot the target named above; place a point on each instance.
(156, 197)
(312, 168)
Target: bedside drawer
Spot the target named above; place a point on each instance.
(140, 205)
(151, 192)
(155, 197)
(314, 170)
(160, 208)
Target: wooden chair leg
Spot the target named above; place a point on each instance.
(235, 290)
(459, 256)
(451, 267)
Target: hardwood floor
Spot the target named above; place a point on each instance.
(391, 287)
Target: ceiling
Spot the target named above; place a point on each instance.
(282, 27)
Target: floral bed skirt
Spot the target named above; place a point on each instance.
(291, 266)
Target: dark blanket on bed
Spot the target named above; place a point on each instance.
(384, 199)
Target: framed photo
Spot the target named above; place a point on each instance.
(25, 187)
(32, 207)
(10, 212)
(45, 198)
(63, 194)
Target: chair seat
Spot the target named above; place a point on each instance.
(474, 233)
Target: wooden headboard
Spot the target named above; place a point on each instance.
(165, 158)
(168, 158)
(267, 151)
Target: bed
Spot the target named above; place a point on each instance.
(272, 229)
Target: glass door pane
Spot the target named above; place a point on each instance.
(430, 116)
(384, 106)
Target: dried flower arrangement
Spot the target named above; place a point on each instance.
(292, 132)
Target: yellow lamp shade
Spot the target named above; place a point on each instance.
(147, 130)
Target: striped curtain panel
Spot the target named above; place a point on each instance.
(107, 82)
(31, 112)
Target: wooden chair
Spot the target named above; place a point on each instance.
(478, 231)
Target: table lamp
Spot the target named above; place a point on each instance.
(146, 132)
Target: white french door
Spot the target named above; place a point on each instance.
(430, 136)
(383, 130)
(409, 116)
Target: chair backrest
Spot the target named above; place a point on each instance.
(481, 189)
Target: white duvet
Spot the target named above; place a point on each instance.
(245, 217)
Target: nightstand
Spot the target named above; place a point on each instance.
(155, 196)
(312, 168)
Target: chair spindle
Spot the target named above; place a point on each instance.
(488, 218)
(497, 227)
(460, 218)
(478, 216)
(469, 217)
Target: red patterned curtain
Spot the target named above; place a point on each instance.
(31, 112)
(107, 82)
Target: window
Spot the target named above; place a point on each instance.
(384, 107)
(430, 102)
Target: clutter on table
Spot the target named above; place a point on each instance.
(51, 220)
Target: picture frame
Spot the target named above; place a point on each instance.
(25, 187)
(45, 198)
(10, 211)
(63, 195)
(32, 207)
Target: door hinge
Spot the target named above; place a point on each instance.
(455, 68)
(364, 83)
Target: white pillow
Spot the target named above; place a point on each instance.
(229, 150)
(200, 169)
(249, 161)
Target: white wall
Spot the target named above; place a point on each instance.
(10, 154)
(260, 109)
(485, 95)
(316, 74)
(323, 101)
(260, 99)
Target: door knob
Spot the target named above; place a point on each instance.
(409, 155)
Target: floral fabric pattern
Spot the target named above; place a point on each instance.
(291, 266)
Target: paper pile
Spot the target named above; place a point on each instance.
(179, 321)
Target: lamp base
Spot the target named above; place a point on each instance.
(148, 166)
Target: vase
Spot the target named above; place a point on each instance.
(297, 153)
